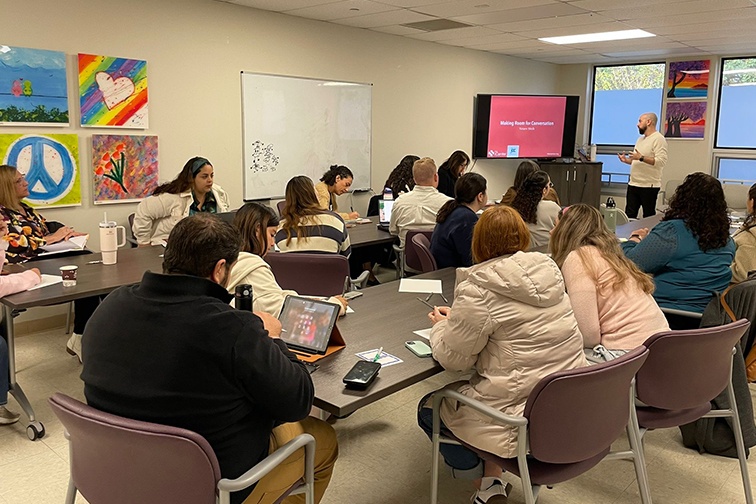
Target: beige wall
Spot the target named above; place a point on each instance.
(422, 95)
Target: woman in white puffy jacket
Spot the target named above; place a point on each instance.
(190, 192)
(511, 324)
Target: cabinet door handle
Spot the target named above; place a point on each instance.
(574, 175)
(568, 177)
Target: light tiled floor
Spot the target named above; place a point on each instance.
(384, 457)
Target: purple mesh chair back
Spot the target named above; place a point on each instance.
(422, 246)
(577, 414)
(115, 460)
(310, 274)
(687, 369)
(411, 255)
(280, 206)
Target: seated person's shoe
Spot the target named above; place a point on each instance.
(73, 346)
(496, 493)
(8, 417)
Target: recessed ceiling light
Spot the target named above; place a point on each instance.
(597, 37)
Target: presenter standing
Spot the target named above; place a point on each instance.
(646, 164)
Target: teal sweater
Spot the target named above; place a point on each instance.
(685, 276)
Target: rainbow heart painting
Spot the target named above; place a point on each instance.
(113, 92)
(125, 167)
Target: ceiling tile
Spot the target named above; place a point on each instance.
(457, 33)
(341, 10)
(665, 10)
(602, 5)
(499, 38)
(397, 17)
(554, 22)
(410, 3)
(649, 53)
(479, 7)
(280, 5)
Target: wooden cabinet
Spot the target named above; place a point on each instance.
(575, 182)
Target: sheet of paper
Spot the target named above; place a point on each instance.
(423, 333)
(73, 243)
(48, 280)
(386, 359)
(349, 309)
(420, 285)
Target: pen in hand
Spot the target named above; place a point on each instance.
(377, 355)
(426, 303)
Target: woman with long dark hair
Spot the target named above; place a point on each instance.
(451, 242)
(450, 170)
(400, 180)
(524, 169)
(190, 192)
(690, 251)
(538, 213)
(257, 225)
(305, 226)
(335, 182)
(745, 241)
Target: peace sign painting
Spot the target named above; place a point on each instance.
(50, 164)
(113, 92)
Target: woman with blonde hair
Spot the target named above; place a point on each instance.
(611, 297)
(511, 324)
(305, 226)
(257, 225)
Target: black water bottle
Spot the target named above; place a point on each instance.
(243, 297)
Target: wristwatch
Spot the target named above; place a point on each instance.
(641, 159)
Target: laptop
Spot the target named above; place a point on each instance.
(384, 213)
(307, 324)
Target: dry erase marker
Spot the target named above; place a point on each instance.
(378, 355)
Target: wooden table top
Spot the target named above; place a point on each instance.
(362, 235)
(383, 318)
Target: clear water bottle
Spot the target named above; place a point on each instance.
(243, 297)
(387, 194)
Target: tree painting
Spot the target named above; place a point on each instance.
(686, 119)
(688, 79)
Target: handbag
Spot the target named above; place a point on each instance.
(750, 359)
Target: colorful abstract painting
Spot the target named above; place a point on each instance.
(685, 119)
(112, 91)
(33, 87)
(688, 79)
(50, 164)
(125, 167)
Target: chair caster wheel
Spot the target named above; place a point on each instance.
(35, 430)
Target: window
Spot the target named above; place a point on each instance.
(737, 105)
(620, 95)
(736, 169)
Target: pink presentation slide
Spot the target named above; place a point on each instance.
(526, 126)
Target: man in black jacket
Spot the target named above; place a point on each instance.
(172, 351)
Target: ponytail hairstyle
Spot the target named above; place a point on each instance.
(329, 177)
(183, 181)
(252, 221)
(466, 189)
(529, 195)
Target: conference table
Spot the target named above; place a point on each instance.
(382, 318)
(363, 235)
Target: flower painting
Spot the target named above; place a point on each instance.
(125, 167)
(112, 91)
(33, 87)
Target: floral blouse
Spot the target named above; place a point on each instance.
(25, 233)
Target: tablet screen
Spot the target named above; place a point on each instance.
(307, 323)
(384, 211)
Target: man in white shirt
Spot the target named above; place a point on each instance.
(418, 208)
(646, 164)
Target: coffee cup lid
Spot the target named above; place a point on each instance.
(69, 267)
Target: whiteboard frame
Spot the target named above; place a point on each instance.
(244, 132)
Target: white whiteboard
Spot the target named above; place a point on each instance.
(297, 126)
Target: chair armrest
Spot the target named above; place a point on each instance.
(682, 313)
(266, 465)
(479, 407)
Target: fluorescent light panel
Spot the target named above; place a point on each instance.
(597, 37)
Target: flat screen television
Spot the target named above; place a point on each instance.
(525, 126)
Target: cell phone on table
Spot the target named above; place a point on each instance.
(362, 374)
(419, 348)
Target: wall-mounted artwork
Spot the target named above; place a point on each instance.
(112, 92)
(685, 119)
(688, 79)
(50, 164)
(125, 167)
(33, 87)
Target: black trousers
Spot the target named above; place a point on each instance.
(641, 196)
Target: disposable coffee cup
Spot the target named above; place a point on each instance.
(68, 273)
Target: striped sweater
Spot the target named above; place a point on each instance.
(326, 233)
